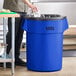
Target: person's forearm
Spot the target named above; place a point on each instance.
(27, 2)
(34, 8)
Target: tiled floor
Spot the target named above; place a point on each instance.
(69, 69)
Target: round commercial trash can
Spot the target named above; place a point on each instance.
(44, 40)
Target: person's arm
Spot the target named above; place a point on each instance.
(33, 7)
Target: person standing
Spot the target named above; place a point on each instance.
(16, 6)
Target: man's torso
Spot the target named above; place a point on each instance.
(14, 5)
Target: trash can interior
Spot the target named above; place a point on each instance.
(46, 17)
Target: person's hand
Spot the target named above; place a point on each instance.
(34, 8)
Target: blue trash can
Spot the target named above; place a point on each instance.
(44, 40)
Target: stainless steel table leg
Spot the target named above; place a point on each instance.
(4, 38)
(13, 45)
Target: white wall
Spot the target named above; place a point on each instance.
(1, 4)
(53, 0)
(64, 8)
(1, 27)
(1, 7)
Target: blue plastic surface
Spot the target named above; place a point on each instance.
(45, 26)
(44, 44)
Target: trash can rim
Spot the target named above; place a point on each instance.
(46, 17)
